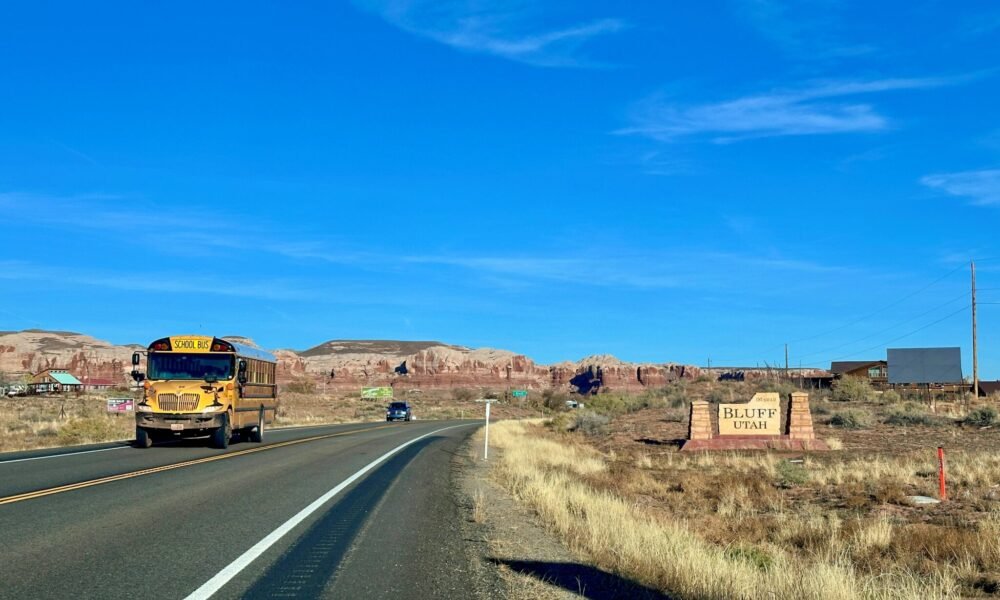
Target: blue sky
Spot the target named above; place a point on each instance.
(663, 183)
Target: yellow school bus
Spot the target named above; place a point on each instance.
(204, 386)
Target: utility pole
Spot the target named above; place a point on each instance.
(975, 348)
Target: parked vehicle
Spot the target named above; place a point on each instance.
(399, 411)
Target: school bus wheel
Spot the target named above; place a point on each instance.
(220, 437)
(143, 439)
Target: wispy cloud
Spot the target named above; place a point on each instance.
(599, 272)
(819, 108)
(171, 283)
(981, 187)
(511, 30)
(637, 270)
(805, 30)
(628, 268)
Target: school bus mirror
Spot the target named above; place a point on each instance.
(135, 359)
(137, 376)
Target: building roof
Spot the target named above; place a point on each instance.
(846, 366)
(989, 387)
(64, 378)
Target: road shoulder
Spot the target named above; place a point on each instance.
(516, 558)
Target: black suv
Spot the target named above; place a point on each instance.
(399, 411)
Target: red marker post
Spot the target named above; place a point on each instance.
(942, 489)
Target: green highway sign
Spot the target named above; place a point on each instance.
(520, 393)
(374, 393)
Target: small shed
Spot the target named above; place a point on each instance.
(54, 380)
(98, 383)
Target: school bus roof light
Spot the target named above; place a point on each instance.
(221, 346)
(161, 345)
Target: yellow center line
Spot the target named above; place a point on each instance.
(102, 480)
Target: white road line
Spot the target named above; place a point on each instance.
(63, 455)
(223, 577)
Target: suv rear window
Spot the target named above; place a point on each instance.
(397, 406)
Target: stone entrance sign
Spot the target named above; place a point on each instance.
(755, 425)
(761, 416)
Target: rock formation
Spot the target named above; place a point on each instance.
(346, 365)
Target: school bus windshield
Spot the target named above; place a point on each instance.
(180, 365)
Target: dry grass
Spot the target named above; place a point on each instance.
(478, 506)
(41, 422)
(680, 526)
(47, 421)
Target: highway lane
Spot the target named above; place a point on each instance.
(391, 532)
(25, 472)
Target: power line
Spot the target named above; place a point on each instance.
(905, 335)
(881, 331)
(883, 309)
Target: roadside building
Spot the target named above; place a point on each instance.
(98, 383)
(875, 372)
(54, 381)
(989, 388)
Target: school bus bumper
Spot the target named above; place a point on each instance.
(179, 421)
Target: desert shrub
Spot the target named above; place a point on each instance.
(461, 394)
(716, 396)
(47, 432)
(984, 416)
(849, 419)
(890, 397)
(852, 389)
(554, 400)
(889, 492)
(18, 427)
(791, 474)
(590, 423)
(910, 417)
(301, 386)
(369, 411)
(82, 431)
(33, 415)
(817, 396)
(784, 388)
(618, 404)
(675, 415)
(755, 557)
(561, 422)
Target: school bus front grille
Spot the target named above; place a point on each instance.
(170, 402)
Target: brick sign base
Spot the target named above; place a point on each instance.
(738, 442)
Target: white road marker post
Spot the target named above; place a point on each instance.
(486, 440)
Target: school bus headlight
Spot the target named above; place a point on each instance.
(143, 407)
(213, 409)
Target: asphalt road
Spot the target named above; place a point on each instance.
(345, 511)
